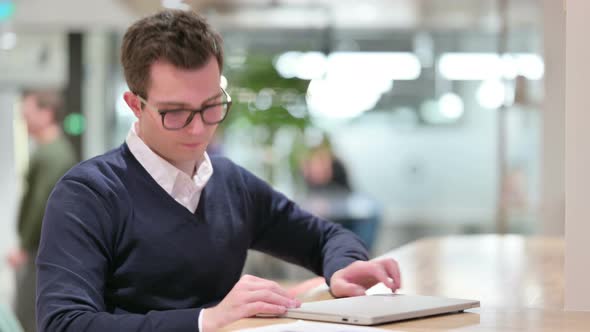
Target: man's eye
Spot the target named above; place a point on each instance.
(212, 105)
(175, 111)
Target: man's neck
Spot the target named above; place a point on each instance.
(188, 167)
(48, 134)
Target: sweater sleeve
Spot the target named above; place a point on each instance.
(75, 256)
(30, 212)
(283, 229)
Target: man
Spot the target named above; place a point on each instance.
(152, 236)
(51, 159)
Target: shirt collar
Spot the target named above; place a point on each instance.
(163, 172)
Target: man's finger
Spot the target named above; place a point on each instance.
(254, 308)
(345, 289)
(268, 296)
(270, 285)
(392, 269)
(380, 273)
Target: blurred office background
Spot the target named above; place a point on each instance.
(432, 109)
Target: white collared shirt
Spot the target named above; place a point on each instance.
(184, 189)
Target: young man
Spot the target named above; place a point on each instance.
(152, 236)
(51, 159)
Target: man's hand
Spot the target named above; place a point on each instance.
(355, 279)
(17, 258)
(249, 297)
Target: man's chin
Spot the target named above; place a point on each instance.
(188, 155)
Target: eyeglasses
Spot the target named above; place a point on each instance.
(213, 111)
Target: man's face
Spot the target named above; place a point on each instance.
(35, 117)
(173, 88)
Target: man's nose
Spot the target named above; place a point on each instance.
(196, 126)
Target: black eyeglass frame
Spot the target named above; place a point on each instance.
(193, 112)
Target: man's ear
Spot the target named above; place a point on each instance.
(133, 102)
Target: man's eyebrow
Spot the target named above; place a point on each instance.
(212, 98)
(172, 103)
(184, 104)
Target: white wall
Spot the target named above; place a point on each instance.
(577, 157)
(432, 175)
(72, 14)
(439, 175)
(38, 59)
(8, 176)
(553, 136)
(9, 192)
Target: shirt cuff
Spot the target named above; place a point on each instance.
(201, 320)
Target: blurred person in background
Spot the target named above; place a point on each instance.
(51, 158)
(331, 196)
(153, 235)
(323, 171)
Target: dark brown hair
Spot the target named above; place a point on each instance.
(48, 99)
(182, 38)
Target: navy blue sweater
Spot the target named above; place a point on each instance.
(118, 253)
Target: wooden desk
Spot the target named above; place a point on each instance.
(519, 281)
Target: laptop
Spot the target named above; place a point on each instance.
(378, 309)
